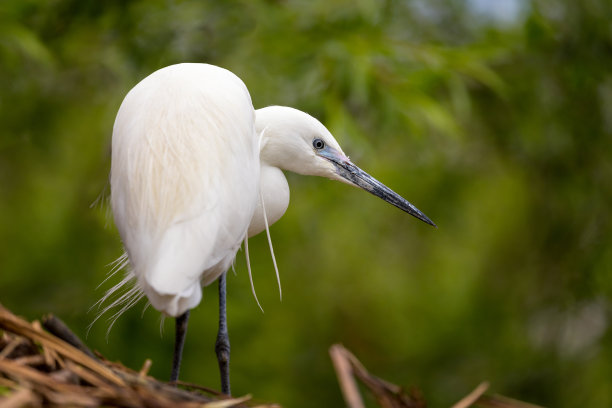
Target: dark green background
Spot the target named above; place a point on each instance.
(499, 129)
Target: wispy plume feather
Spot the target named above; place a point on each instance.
(263, 206)
(248, 262)
(126, 294)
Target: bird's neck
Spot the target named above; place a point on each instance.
(279, 141)
(275, 193)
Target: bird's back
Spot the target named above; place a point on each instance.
(184, 179)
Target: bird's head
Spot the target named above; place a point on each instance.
(295, 141)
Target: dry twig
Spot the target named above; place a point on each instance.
(349, 369)
(38, 369)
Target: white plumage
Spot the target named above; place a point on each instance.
(184, 179)
(195, 169)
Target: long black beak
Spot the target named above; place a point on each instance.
(358, 177)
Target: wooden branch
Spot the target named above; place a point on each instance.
(473, 396)
(344, 372)
(12, 323)
(388, 395)
(57, 327)
(54, 372)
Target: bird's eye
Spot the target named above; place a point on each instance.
(318, 144)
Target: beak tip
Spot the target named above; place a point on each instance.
(430, 222)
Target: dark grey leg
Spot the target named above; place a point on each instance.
(222, 346)
(179, 342)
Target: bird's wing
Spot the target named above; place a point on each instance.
(184, 179)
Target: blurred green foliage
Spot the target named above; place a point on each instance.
(499, 130)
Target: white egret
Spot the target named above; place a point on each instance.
(195, 170)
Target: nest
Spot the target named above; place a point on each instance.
(45, 364)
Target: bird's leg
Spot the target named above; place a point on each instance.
(179, 341)
(222, 346)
